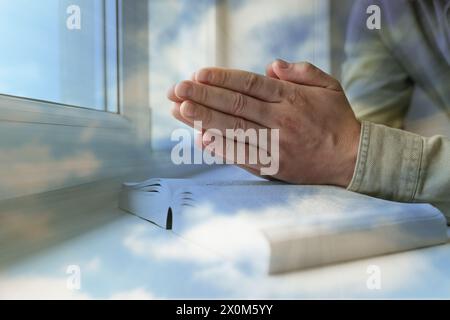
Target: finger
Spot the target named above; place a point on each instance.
(176, 113)
(304, 73)
(232, 152)
(201, 144)
(212, 119)
(171, 92)
(172, 96)
(239, 153)
(226, 101)
(269, 71)
(250, 84)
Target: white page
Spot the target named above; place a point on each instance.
(323, 224)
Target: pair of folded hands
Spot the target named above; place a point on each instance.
(318, 131)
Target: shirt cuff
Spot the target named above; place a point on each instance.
(388, 163)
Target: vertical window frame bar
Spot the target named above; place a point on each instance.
(111, 61)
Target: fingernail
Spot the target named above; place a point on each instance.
(203, 76)
(184, 90)
(170, 91)
(282, 64)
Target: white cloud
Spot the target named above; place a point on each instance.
(134, 294)
(93, 265)
(43, 167)
(247, 49)
(227, 255)
(192, 48)
(53, 288)
(39, 288)
(347, 280)
(155, 246)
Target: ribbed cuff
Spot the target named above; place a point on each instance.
(388, 163)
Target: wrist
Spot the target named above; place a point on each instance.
(348, 155)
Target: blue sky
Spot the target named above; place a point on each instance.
(42, 59)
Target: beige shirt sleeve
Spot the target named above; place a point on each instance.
(397, 165)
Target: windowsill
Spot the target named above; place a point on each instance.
(15, 109)
(35, 222)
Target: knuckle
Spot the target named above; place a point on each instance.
(222, 77)
(251, 82)
(278, 92)
(239, 104)
(297, 97)
(214, 76)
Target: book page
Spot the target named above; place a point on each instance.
(283, 227)
(296, 227)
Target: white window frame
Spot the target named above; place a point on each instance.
(133, 120)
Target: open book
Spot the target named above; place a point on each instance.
(300, 226)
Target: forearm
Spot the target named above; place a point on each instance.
(401, 166)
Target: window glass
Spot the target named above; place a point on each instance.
(182, 39)
(57, 50)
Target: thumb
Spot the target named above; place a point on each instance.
(304, 73)
(270, 73)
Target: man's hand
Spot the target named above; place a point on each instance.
(319, 134)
